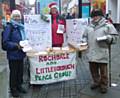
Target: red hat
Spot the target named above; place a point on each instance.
(53, 5)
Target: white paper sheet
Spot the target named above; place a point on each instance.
(60, 29)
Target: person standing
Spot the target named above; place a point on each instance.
(58, 22)
(109, 18)
(99, 35)
(12, 35)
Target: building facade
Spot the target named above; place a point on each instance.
(113, 7)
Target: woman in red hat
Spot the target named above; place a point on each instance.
(58, 26)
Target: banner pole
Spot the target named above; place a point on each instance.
(109, 49)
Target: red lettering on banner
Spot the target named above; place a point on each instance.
(54, 57)
(45, 58)
(42, 70)
(54, 68)
(37, 71)
(50, 58)
(40, 58)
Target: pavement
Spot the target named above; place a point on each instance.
(77, 88)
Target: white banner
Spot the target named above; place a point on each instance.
(52, 68)
(38, 32)
(75, 29)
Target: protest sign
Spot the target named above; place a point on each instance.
(75, 29)
(38, 32)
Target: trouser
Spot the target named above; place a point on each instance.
(57, 45)
(16, 74)
(99, 73)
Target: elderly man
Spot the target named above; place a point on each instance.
(99, 35)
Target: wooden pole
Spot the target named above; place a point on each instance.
(109, 49)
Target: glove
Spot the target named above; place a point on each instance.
(19, 47)
(109, 39)
(45, 18)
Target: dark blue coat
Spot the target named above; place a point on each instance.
(11, 38)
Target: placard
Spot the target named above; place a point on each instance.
(38, 32)
(75, 29)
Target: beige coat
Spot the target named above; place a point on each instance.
(98, 50)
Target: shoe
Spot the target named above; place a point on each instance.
(94, 86)
(15, 94)
(21, 90)
(103, 90)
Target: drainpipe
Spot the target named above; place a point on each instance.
(118, 11)
(12, 5)
(80, 8)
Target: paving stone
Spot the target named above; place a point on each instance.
(3, 82)
(87, 96)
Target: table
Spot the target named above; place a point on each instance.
(52, 66)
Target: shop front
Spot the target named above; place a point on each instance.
(4, 11)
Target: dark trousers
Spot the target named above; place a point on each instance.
(16, 74)
(99, 73)
(57, 45)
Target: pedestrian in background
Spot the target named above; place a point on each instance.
(12, 35)
(58, 22)
(109, 18)
(99, 35)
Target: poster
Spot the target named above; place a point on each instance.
(38, 32)
(44, 6)
(52, 68)
(85, 11)
(99, 4)
(70, 6)
(75, 29)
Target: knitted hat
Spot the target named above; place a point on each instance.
(53, 5)
(96, 12)
(16, 12)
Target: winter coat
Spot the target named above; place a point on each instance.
(98, 50)
(57, 39)
(11, 40)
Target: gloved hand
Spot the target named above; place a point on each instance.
(109, 39)
(19, 47)
(45, 18)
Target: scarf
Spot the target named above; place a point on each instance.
(21, 28)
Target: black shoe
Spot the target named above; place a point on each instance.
(103, 90)
(21, 90)
(15, 94)
(94, 86)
